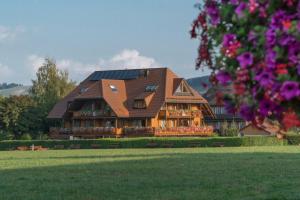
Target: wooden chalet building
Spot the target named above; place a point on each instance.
(133, 102)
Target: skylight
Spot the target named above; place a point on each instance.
(82, 90)
(151, 88)
(113, 88)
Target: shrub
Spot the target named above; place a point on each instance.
(230, 130)
(25, 136)
(293, 139)
(224, 127)
(145, 142)
(6, 135)
(293, 131)
(42, 136)
(262, 141)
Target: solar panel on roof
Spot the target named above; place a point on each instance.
(115, 74)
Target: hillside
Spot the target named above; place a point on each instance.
(18, 90)
(201, 84)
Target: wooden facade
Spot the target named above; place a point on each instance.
(145, 105)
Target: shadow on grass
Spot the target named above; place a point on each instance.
(148, 176)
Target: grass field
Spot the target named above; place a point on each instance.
(196, 173)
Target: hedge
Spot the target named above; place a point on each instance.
(293, 139)
(147, 142)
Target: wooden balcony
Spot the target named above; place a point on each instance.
(84, 132)
(179, 113)
(57, 130)
(138, 131)
(98, 132)
(204, 131)
(60, 133)
(78, 131)
(88, 114)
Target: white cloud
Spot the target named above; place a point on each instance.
(5, 73)
(35, 62)
(126, 59)
(129, 59)
(8, 33)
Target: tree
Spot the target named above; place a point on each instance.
(11, 110)
(255, 46)
(28, 114)
(51, 84)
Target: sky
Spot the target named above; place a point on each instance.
(87, 35)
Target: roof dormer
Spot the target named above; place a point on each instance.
(183, 89)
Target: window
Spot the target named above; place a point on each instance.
(83, 90)
(137, 123)
(162, 123)
(88, 123)
(151, 88)
(76, 123)
(139, 104)
(183, 90)
(113, 88)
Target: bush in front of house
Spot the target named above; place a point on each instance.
(293, 139)
(262, 141)
(26, 136)
(149, 142)
(6, 135)
(229, 129)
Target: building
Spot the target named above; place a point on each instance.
(133, 102)
(214, 96)
(264, 129)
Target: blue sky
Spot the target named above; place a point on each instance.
(87, 35)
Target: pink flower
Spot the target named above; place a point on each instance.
(245, 59)
(252, 6)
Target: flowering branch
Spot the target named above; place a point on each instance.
(258, 52)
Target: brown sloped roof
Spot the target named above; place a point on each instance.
(173, 82)
(60, 108)
(146, 96)
(121, 101)
(115, 99)
(265, 126)
(136, 87)
(94, 91)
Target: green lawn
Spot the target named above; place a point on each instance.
(196, 173)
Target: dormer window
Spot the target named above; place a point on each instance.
(113, 88)
(183, 90)
(83, 90)
(151, 88)
(139, 104)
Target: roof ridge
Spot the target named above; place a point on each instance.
(130, 69)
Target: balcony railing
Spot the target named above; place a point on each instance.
(180, 113)
(57, 130)
(93, 130)
(82, 130)
(138, 130)
(134, 131)
(98, 113)
(185, 131)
